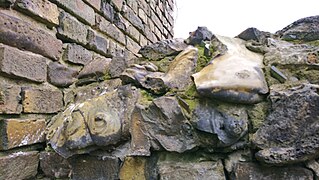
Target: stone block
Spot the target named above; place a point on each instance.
(107, 11)
(133, 32)
(143, 40)
(120, 22)
(61, 75)
(17, 33)
(41, 100)
(150, 35)
(54, 166)
(17, 133)
(142, 15)
(71, 29)
(110, 29)
(134, 19)
(118, 4)
(20, 165)
(132, 45)
(95, 3)
(79, 9)
(98, 67)
(22, 64)
(97, 42)
(157, 21)
(44, 11)
(255, 171)
(91, 167)
(77, 54)
(133, 5)
(9, 99)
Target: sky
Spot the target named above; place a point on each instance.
(231, 17)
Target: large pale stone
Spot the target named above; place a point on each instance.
(21, 132)
(23, 35)
(236, 76)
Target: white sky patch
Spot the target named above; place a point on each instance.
(231, 17)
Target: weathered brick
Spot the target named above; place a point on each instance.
(157, 21)
(18, 33)
(133, 32)
(17, 133)
(97, 42)
(90, 167)
(61, 75)
(110, 29)
(70, 28)
(95, 3)
(54, 166)
(133, 4)
(98, 67)
(132, 45)
(43, 10)
(134, 19)
(118, 4)
(41, 100)
(107, 11)
(151, 24)
(158, 33)
(150, 35)
(77, 54)
(22, 64)
(145, 6)
(121, 22)
(142, 15)
(20, 165)
(143, 40)
(9, 99)
(78, 8)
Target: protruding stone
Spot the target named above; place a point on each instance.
(17, 133)
(277, 74)
(20, 165)
(54, 166)
(98, 67)
(61, 75)
(253, 34)
(20, 34)
(41, 100)
(197, 37)
(77, 54)
(163, 48)
(236, 76)
(9, 99)
(132, 45)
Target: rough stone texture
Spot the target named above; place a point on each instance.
(201, 34)
(91, 167)
(305, 29)
(98, 67)
(163, 48)
(20, 165)
(77, 54)
(22, 64)
(97, 42)
(44, 11)
(235, 76)
(9, 99)
(80, 9)
(134, 19)
(18, 33)
(133, 168)
(41, 100)
(107, 11)
(54, 166)
(290, 132)
(254, 171)
(191, 171)
(253, 34)
(100, 121)
(61, 75)
(16, 133)
(95, 3)
(71, 29)
(132, 45)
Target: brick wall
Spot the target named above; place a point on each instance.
(49, 48)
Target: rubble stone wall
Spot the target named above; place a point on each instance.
(48, 48)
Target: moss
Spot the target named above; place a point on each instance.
(313, 43)
(257, 115)
(146, 97)
(164, 63)
(192, 104)
(202, 59)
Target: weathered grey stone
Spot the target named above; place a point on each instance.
(305, 29)
(253, 34)
(91, 167)
(197, 37)
(110, 29)
(254, 171)
(228, 124)
(61, 75)
(95, 3)
(97, 42)
(44, 11)
(71, 29)
(117, 66)
(133, 18)
(107, 11)
(132, 45)
(289, 134)
(21, 64)
(98, 67)
(166, 124)
(54, 166)
(237, 157)
(236, 76)
(20, 34)
(77, 54)
(277, 74)
(100, 121)
(163, 48)
(192, 171)
(80, 9)
(41, 100)
(21, 132)
(9, 99)
(20, 165)
(118, 4)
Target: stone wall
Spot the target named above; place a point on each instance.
(49, 51)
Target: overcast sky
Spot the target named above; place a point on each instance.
(230, 17)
